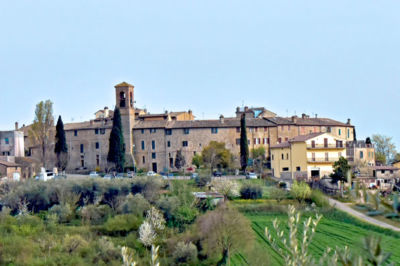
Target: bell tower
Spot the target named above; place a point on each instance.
(125, 102)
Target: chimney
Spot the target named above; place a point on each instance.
(294, 119)
(106, 112)
(348, 121)
(316, 115)
(166, 112)
(190, 112)
(221, 119)
(91, 122)
(303, 116)
(238, 109)
(16, 125)
(246, 109)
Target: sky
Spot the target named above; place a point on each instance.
(338, 59)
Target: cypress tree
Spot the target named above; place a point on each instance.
(61, 148)
(354, 135)
(116, 152)
(244, 146)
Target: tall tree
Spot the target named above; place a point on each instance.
(258, 155)
(179, 160)
(384, 146)
(61, 148)
(244, 146)
(40, 132)
(116, 152)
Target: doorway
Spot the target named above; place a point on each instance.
(154, 167)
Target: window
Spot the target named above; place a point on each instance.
(313, 156)
(96, 131)
(102, 131)
(153, 144)
(97, 160)
(168, 132)
(325, 143)
(283, 156)
(7, 141)
(329, 129)
(313, 144)
(186, 131)
(142, 131)
(237, 141)
(339, 144)
(153, 130)
(255, 129)
(143, 146)
(298, 168)
(279, 140)
(285, 169)
(265, 129)
(144, 159)
(286, 139)
(184, 143)
(97, 145)
(238, 129)
(214, 130)
(82, 162)
(153, 155)
(272, 157)
(327, 156)
(361, 154)
(75, 133)
(171, 162)
(340, 132)
(122, 99)
(168, 143)
(82, 148)
(287, 156)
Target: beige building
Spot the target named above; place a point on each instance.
(360, 154)
(152, 140)
(12, 143)
(307, 156)
(8, 167)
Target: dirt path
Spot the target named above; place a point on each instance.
(344, 207)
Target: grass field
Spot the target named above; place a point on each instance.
(335, 229)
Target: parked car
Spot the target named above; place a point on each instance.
(94, 174)
(151, 173)
(108, 176)
(217, 174)
(131, 174)
(194, 175)
(250, 175)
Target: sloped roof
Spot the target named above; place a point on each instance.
(8, 164)
(307, 121)
(123, 84)
(285, 144)
(302, 138)
(87, 125)
(225, 123)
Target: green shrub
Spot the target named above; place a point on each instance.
(63, 212)
(95, 214)
(251, 191)
(301, 191)
(136, 204)
(122, 224)
(185, 253)
(319, 198)
(202, 181)
(277, 194)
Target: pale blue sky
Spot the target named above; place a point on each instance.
(338, 59)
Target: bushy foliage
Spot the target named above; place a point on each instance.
(229, 188)
(319, 198)
(63, 212)
(185, 253)
(122, 224)
(94, 214)
(278, 194)
(300, 191)
(251, 191)
(135, 204)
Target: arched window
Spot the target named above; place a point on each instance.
(122, 99)
(131, 99)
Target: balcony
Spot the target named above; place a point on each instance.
(324, 147)
(322, 160)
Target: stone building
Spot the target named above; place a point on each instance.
(12, 143)
(152, 140)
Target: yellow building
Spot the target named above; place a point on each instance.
(306, 156)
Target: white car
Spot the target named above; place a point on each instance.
(251, 176)
(94, 174)
(108, 177)
(151, 173)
